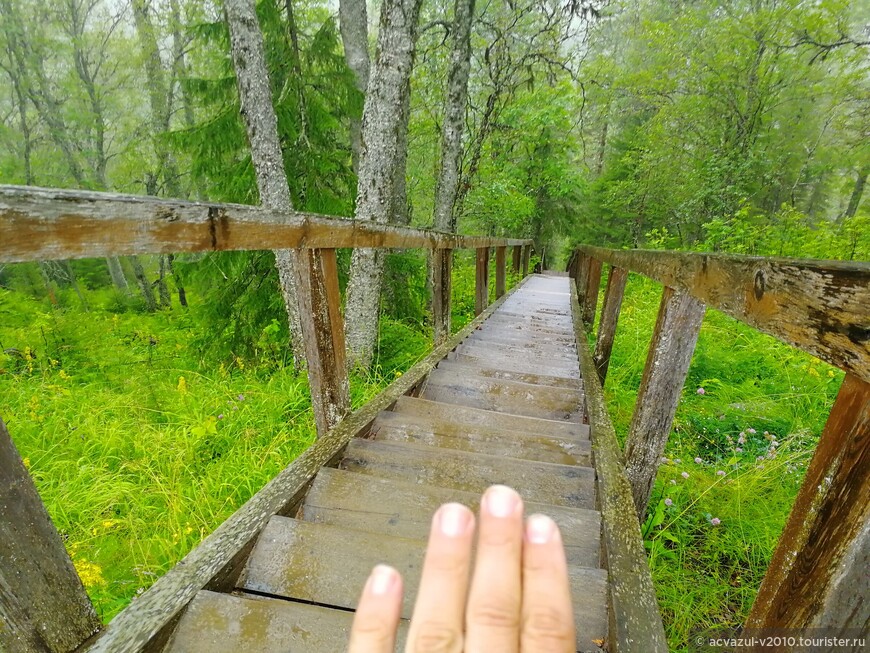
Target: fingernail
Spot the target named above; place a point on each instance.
(540, 529)
(453, 519)
(382, 579)
(501, 501)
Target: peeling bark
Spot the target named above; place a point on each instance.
(380, 158)
(353, 21)
(261, 123)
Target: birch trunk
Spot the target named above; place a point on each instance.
(261, 123)
(144, 284)
(117, 274)
(353, 21)
(454, 117)
(380, 156)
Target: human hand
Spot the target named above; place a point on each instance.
(519, 599)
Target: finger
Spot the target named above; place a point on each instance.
(439, 612)
(377, 615)
(492, 620)
(548, 619)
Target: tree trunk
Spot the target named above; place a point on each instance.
(261, 123)
(162, 288)
(117, 274)
(454, 117)
(857, 192)
(354, 36)
(144, 284)
(381, 126)
(182, 293)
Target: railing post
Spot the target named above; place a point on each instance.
(817, 578)
(43, 606)
(593, 281)
(481, 284)
(500, 284)
(442, 260)
(527, 252)
(609, 317)
(582, 263)
(670, 353)
(516, 263)
(323, 333)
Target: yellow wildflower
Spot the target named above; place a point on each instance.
(90, 573)
(182, 385)
(64, 375)
(240, 363)
(831, 374)
(26, 462)
(812, 372)
(398, 374)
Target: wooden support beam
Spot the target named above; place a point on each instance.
(516, 263)
(817, 578)
(48, 224)
(481, 281)
(527, 252)
(43, 606)
(635, 618)
(582, 263)
(442, 284)
(323, 333)
(593, 282)
(820, 307)
(609, 318)
(500, 280)
(670, 353)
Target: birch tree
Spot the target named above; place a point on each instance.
(353, 22)
(380, 157)
(261, 123)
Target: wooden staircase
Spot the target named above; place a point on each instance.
(506, 406)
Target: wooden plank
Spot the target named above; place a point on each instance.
(46, 224)
(616, 281)
(442, 287)
(527, 252)
(487, 418)
(510, 363)
(517, 257)
(492, 373)
(224, 623)
(329, 565)
(323, 333)
(481, 280)
(396, 427)
(593, 282)
(513, 397)
(635, 619)
(561, 485)
(401, 509)
(215, 564)
(670, 353)
(43, 606)
(582, 263)
(500, 277)
(817, 577)
(822, 307)
(542, 351)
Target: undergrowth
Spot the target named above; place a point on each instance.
(751, 413)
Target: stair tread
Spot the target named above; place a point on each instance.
(226, 623)
(507, 375)
(510, 363)
(488, 418)
(398, 427)
(328, 565)
(562, 485)
(543, 356)
(404, 509)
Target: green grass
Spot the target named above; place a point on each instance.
(707, 575)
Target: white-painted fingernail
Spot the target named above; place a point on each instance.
(453, 519)
(382, 579)
(540, 529)
(501, 501)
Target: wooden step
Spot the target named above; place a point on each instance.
(226, 623)
(547, 351)
(328, 565)
(488, 418)
(507, 375)
(515, 363)
(511, 397)
(545, 325)
(399, 427)
(561, 485)
(403, 509)
(501, 336)
(560, 357)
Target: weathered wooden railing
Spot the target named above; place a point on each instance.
(817, 578)
(43, 606)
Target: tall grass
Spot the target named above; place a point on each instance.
(751, 413)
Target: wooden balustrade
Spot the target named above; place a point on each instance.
(817, 576)
(42, 604)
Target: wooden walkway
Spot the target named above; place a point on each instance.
(506, 406)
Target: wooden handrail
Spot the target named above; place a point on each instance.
(47, 224)
(821, 307)
(817, 576)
